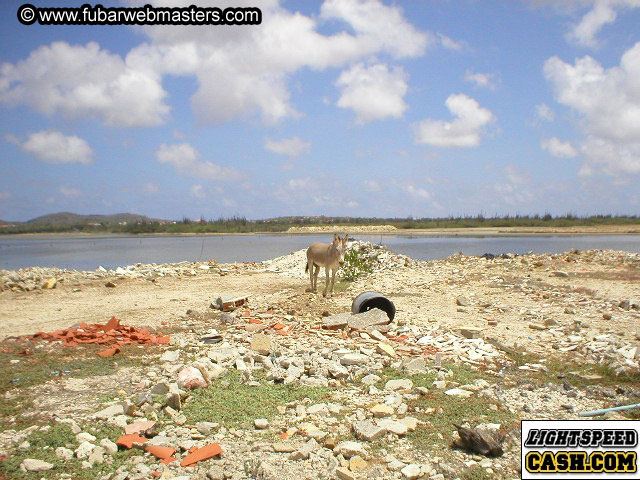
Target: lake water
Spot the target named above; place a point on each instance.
(84, 252)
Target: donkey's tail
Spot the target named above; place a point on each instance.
(306, 268)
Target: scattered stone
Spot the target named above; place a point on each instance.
(410, 422)
(370, 379)
(392, 426)
(110, 448)
(64, 453)
(458, 392)
(337, 371)
(367, 430)
(367, 320)
(191, 378)
(358, 464)
(34, 465)
(471, 332)
(402, 384)
(349, 448)
(336, 322)
(354, 359)
(382, 410)
(281, 447)
(385, 349)
(262, 343)
(109, 412)
(462, 301)
(344, 474)
(261, 423)
(411, 471)
(170, 356)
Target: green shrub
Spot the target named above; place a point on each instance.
(355, 265)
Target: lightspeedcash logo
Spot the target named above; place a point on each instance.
(580, 449)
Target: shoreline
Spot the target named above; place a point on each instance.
(363, 230)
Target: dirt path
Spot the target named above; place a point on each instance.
(137, 302)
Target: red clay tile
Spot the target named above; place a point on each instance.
(200, 454)
(127, 441)
(108, 334)
(278, 326)
(254, 320)
(167, 461)
(112, 324)
(163, 453)
(109, 352)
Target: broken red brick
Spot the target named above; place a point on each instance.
(209, 451)
(163, 453)
(108, 334)
(127, 441)
(109, 352)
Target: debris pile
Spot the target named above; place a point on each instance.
(111, 333)
(379, 257)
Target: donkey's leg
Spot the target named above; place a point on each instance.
(333, 280)
(316, 270)
(310, 267)
(326, 283)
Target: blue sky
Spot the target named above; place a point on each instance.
(343, 107)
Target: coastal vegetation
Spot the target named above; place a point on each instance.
(138, 224)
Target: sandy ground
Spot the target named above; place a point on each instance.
(475, 231)
(563, 288)
(135, 301)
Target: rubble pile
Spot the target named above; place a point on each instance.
(384, 382)
(40, 278)
(379, 257)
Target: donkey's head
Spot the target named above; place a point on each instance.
(340, 246)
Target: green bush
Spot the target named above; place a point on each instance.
(355, 265)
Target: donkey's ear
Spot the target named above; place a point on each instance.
(335, 237)
(346, 238)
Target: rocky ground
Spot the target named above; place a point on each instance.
(291, 385)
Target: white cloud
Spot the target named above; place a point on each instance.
(417, 192)
(608, 100)
(484, 80)
(584, 33)
(87, 81)
(284, 43)
(600, 14)
(84, 81)
(464, 131)
(54, 147)
(516, 175)
(299, 183)
(558, 148)
(374, 92)
(544, 112)
(371, 185)
(70, 192)
(150, 188)
(197, 191)
(288, 146)
(449, 43)
(186, 161)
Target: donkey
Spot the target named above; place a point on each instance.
(331, 257)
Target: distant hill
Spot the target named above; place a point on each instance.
(68, 218)
(6, 222)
